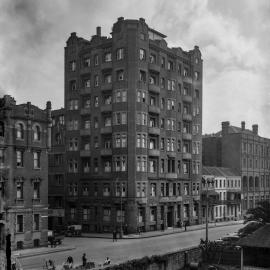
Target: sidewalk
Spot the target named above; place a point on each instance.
(165, 232)
(30, 252)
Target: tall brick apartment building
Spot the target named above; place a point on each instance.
(57, 171)
(133, 130)
(245, 151)
(24, 144)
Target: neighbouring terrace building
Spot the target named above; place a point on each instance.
(223, 186)
(57, 171)
(133, 130)
(246, 152)
(24, 144)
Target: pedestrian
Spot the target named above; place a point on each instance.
(84, 260)
(185, 226)
(70, 261)
(114, 235)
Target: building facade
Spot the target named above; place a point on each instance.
(57, 172)
(24, 144)
(133, 130)
(225, 186)
(245, 151)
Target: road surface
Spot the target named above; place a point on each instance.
(98, 249)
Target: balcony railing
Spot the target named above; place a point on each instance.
(171, 199)
(187, 98)
(106, 108)
(106, 86)
(187, 136)
(154, 130)
(187, 117)
(85, 91)
(85, 111)
(85, 132)
(106, 130)
(153, 152)
(187, 79)
(171, 175)
(106, 152)
(154, 88)
(154, 67)
(154, 109)
(85, 153)
(186, 156)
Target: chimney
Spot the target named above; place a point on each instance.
(120, 19)
(255, 129)
(243, 125)
(225, 127)
(98, 31)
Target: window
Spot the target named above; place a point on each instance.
(96, 80)
(96, 60)
(19, 131)
(73, 166)
(153, 190)
(170, 65)
(141, 96)
(163, 62)
(36, 191)
(37, 133)
(86, 62)
(86, 166)
(73, 104)
(196, 75)
(36, 222)
(2, 129)
(106, 214)
(141, 140)
(85, 190)
(108, 57)
(141, 118)
(142, 54)
(142, 76)
(119, 54)
(19, 223)
(120, 95)
(120, 163)
(19, 190)
(2, 157)
(19, 158)
(152, 58)
(73, 85)
(186, 189)
(106, 190)
(73, 66)
(120, 118)
(73, 144)
(120, 75)
(72, 125)
(87, 83)
(152, 166)
(153, 211)
(108, 78)
(141, 163)
(107, 166)
(86, 213)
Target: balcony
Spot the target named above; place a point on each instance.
(154, 88)
(187, 98)
(154, 67)
(85, 153)
(85, 91)
(153, 152)
(85, 70)
(171, 199)
(171, 175)
(85, 132)
(106, 130)
(106, 152)
(187, 79)
(187, 136)
(106, 86)
(154, 109)
(85, 111)
(106, 108)
(171, 154)
(187, 117)
(36, 201)
(106, 65)
(186, 156)
(154, 130)
(141, 200)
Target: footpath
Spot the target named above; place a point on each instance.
(164, 232)
(47, 250)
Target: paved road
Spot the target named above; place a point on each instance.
(123, 250)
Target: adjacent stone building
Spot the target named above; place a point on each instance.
(24, 144)
(57, 172)
(223, 186)
(246, 152)
(133, 130)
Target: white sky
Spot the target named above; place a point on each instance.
(233, 36)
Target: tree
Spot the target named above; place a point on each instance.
(260, 213)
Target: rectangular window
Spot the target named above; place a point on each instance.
(36, 222)
(19, 158)
(119, 54)
(142, 55)
(19, 190)
(36, 160)
(19, 223)
(36, 194)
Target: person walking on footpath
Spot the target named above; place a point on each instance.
(185, 226)
(114, 235)
(84, 260)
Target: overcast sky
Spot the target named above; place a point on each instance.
(233, 36)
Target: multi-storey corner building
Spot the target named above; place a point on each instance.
(245, 151)
(24, 143)
(222, 188)
(57, 171)
(133, 130)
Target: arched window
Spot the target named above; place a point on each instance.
(19, 131)
(2, 129)
(37, 133)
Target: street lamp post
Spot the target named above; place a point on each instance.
(121, 210)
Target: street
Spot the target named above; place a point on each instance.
(98, 249)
